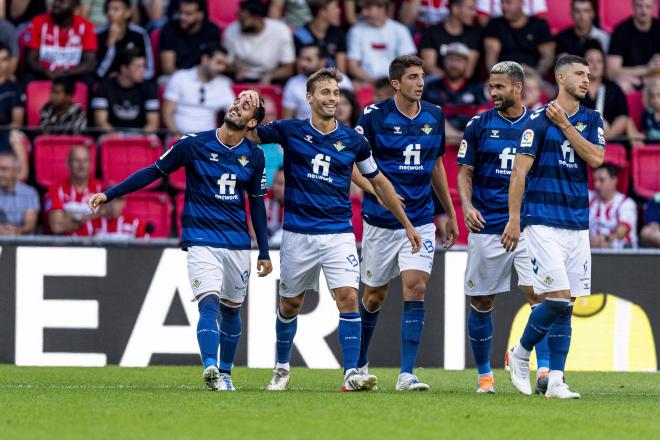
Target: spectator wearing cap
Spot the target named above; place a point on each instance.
(324, 31)
(460, 97)
(489, 9)
(127, 102)
(421, 14)
(194, 97)
(375, 42)
(19, 203)
(456, 28)
(182, 41)
(650, 233)
(574, 40)
(635, 47)
(295, 12)
(612, 215)
(261, 49)
(118, 35)
(516, 37)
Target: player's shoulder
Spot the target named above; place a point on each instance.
(196, 138)
(538, 116)
(432, 109)
(379, 108)
(353, 134)
(480, 120)
(589, 113)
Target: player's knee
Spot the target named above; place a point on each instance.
(209, 306)
(374, 298)
(415, 291)
(290, 307)
(482, 303)
(230, 309)
(346, 299)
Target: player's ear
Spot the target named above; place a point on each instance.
(395, 84)
(309, 97)
(251, 124)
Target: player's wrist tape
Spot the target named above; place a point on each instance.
(564, 128)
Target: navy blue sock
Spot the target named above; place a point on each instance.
(285, 329)
(540, 321)
(559, 340)
(542, 350)
(412, 324)
(480, 331)
(208, 335)
(350, 330)
(369, 320)
(230, 334)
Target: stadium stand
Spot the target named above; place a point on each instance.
(646, 171)
(177, 179)
(222, 13)
(121, 156)
(613, 12)
(559, 15)
(365, 95)
(154, 209)
(616, 155)
(37, 93)
(50, 157)
(635, 107)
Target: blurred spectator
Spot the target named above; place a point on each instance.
(112, 224)
(260, 48)
(294, 98)
(612, 215)
(533, 89)
(348, 110)
(421, 14)
(516, 37)
(459, 97)
(324, 31)
(61, 43)
(9, 39)
(61, 115)
(193, 97)
(19, 203)
(650, 233)
(376, 41)
(22, 11)
(456, 28)
(573, 40)
(12, 100)
(273, 153)
(383, 89)
(488, 9)
(66, 201)
(127, 101)
(274, 201)
(182, 41)
(651, 118)
(96, 10)
(635, 47)
(118, 35)
(296, 13)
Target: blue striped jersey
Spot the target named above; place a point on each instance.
(405, 150)
(317, 173)
(217, 178)
(556, 190)
(489, 147)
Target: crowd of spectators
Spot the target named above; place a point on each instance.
(169, 67)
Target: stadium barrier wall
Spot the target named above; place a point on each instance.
(131, 305)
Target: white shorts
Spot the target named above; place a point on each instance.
(561, 259)
(387, 252)
(225, 271)
(302, 256)
(489, 265)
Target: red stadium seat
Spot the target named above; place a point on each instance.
(559, 15)
(272, 91)
(51, 153)
(121, 156)
(178, 203)
(635, 107)
(223, 12)
(451, 167)
(154, 38)
(615, 154)
(613, 12)
(646, 171)
(178, 178)
(37, 94)
(364, 96)
(154, 209)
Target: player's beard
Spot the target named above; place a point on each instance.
(323, 113)
(576, 93)
(505, 103)
(232, 125)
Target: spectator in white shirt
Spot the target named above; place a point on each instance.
(260, 49)
(376, 41)
(612, 215)
(193, 97)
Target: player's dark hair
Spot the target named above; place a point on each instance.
(610, 169)
(400, 64)
(127, 4)
(67, 84)
(210, 49)
(5, 47)
(316, 6)
(323, 53)
(256, 8)
(259, 112)
(127, 56)
(201, 4)
(567, 60)
(322, 75)
(514, 72)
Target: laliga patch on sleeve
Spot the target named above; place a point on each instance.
(359, 129)
(527, 138)
(462, 149)
(601, 136)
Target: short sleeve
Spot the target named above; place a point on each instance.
(89, 41)
(364, 126)
(151, 103)
(19, 97)
(532, 136)
(258, 185)
(353, 41)
(100, 100)
(288, 100)
(427, 39)
(652, 212)
(364, 160)
(467, 150)
(596, 133)
(492, 30)
(166, 41)
(483, 7)
(618, 105)
(618, 41)
(288, 49)
(272, 133)
(544, 34)
(176, 157)
(406, 43)
(33, 40)
(628, 214)
(53, 202)
(173, 88)
(341, 41)
(33, 199)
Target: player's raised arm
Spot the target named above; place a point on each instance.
(441, 189)
(592, 151)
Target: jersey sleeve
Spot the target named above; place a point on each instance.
(628, 214)
(364, 160)
(176, 157)
(596, 132)
(467, 151)
(89, 40)
(364, 126)
(53, 202)
(258, 182)
(273, 133)
(532, 136)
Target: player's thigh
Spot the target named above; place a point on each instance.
(522, 263)
(205, 270)
(547, 258)
(423, 260)
(300, 264)
(578, 262)
(488, 269)
(339, 261)
(237, 273)
(380, 249)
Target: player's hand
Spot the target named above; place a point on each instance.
(415, 239)
(556, 114)
(452, 232)
(252, 96)
(95, 201)
(473, 219)
(511, 236)
(264, 267)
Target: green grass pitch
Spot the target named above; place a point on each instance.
(171, 403)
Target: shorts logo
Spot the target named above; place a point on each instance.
(196, 284)
(535, 267)
(244, 276)
(548, 280)
(527, 138)
(369, 274)
(243, 161)
(428, 246)
(427, 129)
(471, 284)
(282, 285)
(462, 149)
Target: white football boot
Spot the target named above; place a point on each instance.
(225, 383)
(561, 391)
(356, 381)
(519, 369)
(409, 382)
(212, 378)
(280, 380)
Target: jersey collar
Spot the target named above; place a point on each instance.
(229, 147)
(517, 120)
(419, 109)
(320, 132)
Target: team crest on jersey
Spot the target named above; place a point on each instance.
(580, 126)
(339, 145)
(427, 129)
(462, 149)
(214, 157)
(548, 280)
(243, 160)
(527, 138)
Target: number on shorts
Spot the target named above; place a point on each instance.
(351, 259)
(428, 245)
